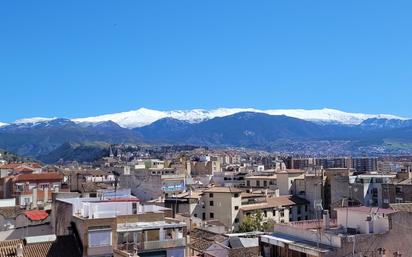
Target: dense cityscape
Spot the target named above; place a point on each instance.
(217, 128)
(192, 201)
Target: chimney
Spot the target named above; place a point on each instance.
(46, 195)
(326, 219)
(34, 197)
(19, 250)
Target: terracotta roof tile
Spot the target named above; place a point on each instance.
(222, 190)
(273, 202)
(10, 212)
(63, 246)
(45, 176)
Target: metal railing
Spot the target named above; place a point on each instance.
(167, 243)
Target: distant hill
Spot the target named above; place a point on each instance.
(81, 152)
(11, 157)
(41, 138)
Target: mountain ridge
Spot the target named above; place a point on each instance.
(52, 139)
(143, 116)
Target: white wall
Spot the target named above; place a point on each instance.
(8, 202)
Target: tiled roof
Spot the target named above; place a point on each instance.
(273, 202)
(407, 207)
(202, 239)
(222, 190)
(23, 169)
(10, 165)
(45, 176)
(63, 246)
(10, 212)
(291, 171)
(8, 248)
(15, 165)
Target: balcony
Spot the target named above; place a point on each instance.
(168, 243)
(152, 245)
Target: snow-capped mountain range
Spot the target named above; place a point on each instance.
(144, 116)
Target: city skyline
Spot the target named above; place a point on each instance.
(78, 59)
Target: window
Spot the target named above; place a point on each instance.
(195, 215)
(257, 183)
(203, 216)
(211, 203)
(101, 237)
(236, 220)
(265, 183)
(236, 207)
(236, 195)
(212, 215)
(19, 187)
(134, 208)
(26, 200)
(248, 183)
(210, 195)
(282, 213)
(299, 209)
(265, 213)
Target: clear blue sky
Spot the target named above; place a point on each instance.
(80, 58)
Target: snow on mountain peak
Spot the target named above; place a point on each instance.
(144, 116)
(33, 120)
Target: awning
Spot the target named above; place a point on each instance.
(36, 215)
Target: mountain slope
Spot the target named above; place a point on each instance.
(81, 152)
(143, 116)
(53, 139)
(381, 123)
(35, 139)
(241, 129)
(166, 130)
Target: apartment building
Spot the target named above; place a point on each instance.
(257, 181)
(30, 188)
(396, 193)
(286, 178)
(204, 167)
(367, 188)
(365, 164)
(223, 204)
(122, 224)
(368, 233)
(280, 209)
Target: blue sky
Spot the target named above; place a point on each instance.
(81, 58)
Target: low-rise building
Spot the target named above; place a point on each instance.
(261, 181)
(368, 232)
(104, 224)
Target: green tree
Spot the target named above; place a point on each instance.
(253, 222)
